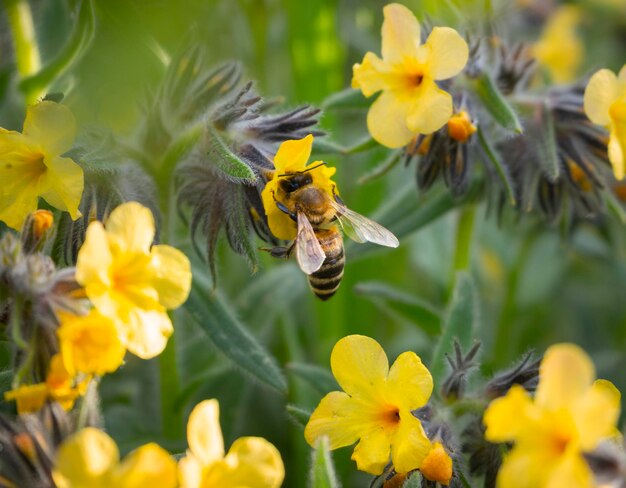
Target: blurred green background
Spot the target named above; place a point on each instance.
(534, 285)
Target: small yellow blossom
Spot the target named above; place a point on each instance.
(251, 462)
(31, 165)
(90, 459)
(131, 281)
(375, 408)
(59, 386)
(559, 49)
(460, 126)
(438, 465)
(90, 344)
(605, 105)
(570, 415)
(292, 157)
(411, 102)
(42, 221)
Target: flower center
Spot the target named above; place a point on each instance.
(416, 80)
(390, 416)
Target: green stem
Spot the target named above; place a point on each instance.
(501, 348)
(24, 40)
(463, 246)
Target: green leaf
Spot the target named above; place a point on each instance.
(299, 415)
(318, 377)
(75, 47)
(227, 161)
(348, 98)
(412, 308)
(415, 481)
(459, 324)
(231, 337)
(322, 468)
(494, 158)
(496, 104)
(546, 147)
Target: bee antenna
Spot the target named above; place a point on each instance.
(305, 171)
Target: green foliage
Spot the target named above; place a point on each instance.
(322, 469)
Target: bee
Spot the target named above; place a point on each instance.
(319, 242)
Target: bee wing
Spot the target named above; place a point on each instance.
(361, 229)
(309, 252)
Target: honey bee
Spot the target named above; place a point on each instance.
(319, 243)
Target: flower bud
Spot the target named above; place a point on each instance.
(36, 230)
(460, 126)
(438, 465)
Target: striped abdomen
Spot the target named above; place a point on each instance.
(325, 281)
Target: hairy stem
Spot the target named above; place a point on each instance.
(463, 244)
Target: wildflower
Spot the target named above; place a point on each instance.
(292, 157)
(411, 102)
(559, 49)
(131, 281)
(570, 416)
(32, 165)
(90, 344)
(59, 386)
(605, 105)
(90, 459)
(251, 461)
(374, 407)
(36, 230)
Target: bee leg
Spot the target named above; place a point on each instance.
(284, 209)
(337, 197)
(279, 252)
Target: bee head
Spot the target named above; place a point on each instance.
(291, 182)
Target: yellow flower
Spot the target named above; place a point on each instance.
(605, 104)
(131, 281)
(251, 462)
(460, 126)
(570, 415)
(559, 49)
(411, 102)
(31, 165)
(59, 386)
(90, 459)
(292, 157)
(438, 465)
(90, 344)
(375, 408)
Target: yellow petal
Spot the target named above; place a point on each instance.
(189, 472)
(617, 149)
(431, 109)
(409, 382)
(602, 90)
(447, 53)
(149, 466)
(15, 206)
(62, 185)
(258, 464)
(621, 77)
(94, 261)
(86, 459)
(28, 398)
(372, 75)
(172, 275)
(597, 413)
(387, 120)
(564, 376)
(52, 126)
(360, 366)
(146, 332)
(293, 155)
(507, 417)
(131, 226)
(400, 33)
(340, 418)
(409, 444)
(371, 454)
(89, 344)
(204, 433)
(437, 466)
(571, 471)
(525, 468)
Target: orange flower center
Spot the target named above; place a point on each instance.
(390, 416)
